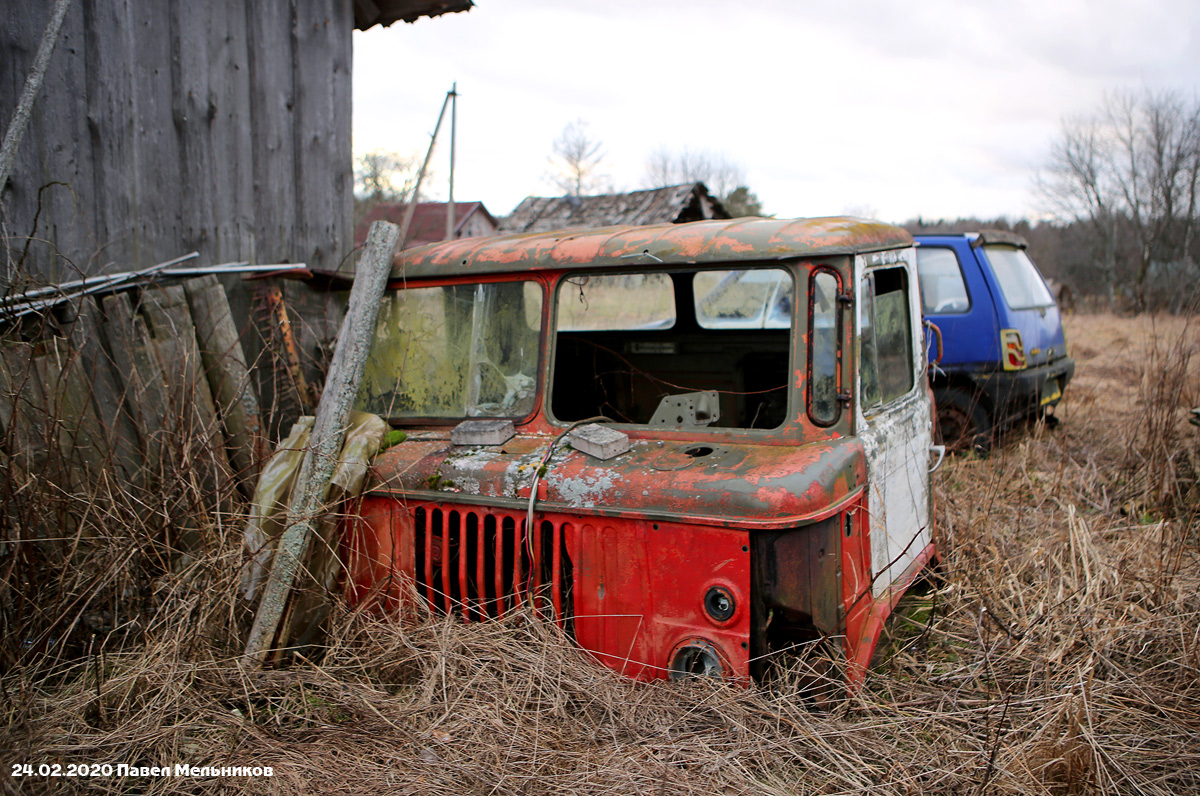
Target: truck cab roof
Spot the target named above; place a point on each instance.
(718, 241)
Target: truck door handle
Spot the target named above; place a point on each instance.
(940, 450)
(933, 327)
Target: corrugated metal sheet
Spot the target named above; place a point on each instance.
(671, 205)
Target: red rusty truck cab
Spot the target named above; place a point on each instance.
(692, 446)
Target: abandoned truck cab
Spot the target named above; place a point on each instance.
(692, 446)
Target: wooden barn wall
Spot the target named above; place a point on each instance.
(167, 126)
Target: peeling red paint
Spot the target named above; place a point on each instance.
(712, 241)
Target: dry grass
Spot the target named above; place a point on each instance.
(1060, 656)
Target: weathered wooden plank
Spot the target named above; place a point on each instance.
(316, 473)
(144, 394)
(111, 106)
(21, 415)
(191, 412)
(272, 100)
(231, 131)
(118, 436)
(196, 106)
(228, 376)
(18, 123)
(69, 417)
(46, 203)
(159, 189)
(321, 59)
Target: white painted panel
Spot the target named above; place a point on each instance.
(897, 438)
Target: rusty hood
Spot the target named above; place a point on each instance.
(734, 485)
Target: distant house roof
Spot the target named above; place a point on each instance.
(673, 204)
(428, 223)
(368, 13)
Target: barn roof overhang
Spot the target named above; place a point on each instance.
(368, 13)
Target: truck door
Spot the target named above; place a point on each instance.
(893, 414)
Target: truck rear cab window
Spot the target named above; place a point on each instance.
(624, 301)
(1019, 279)
(886, 358)
(628, 346)
(759, 298)
(455, 352)
(942, 288)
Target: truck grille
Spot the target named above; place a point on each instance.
(482, 563)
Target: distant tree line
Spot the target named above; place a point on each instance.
(1121, 189)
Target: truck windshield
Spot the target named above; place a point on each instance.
(454, 352)
(1019, 279)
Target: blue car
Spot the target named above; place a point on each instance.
(1004, 352)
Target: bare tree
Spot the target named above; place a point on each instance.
(719, 174)
(1132, 170)
(381, 176)
(724, 178)
(575, 162)
(1078, 186)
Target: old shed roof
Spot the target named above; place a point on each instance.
(368, 13)
(428, 223)
(674, 204)
(723, 241)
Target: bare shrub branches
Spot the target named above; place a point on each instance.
(1130, 172)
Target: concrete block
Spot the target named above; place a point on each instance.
(482, 432)
(600, 441)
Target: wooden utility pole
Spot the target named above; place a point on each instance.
(328, 434)
(416, 191)
(453, 124)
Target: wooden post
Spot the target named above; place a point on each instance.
(120, 436)
(145, 394)
(33, 85)
(328, 434)
(228, 376)
(190, 404)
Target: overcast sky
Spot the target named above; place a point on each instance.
(938, 108)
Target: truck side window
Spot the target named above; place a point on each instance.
(885, 360)
(942, 287)
(823, 350)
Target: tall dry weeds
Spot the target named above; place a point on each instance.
(1059, 656)
(1162, 448)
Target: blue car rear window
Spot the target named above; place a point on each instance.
(1019, 279)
